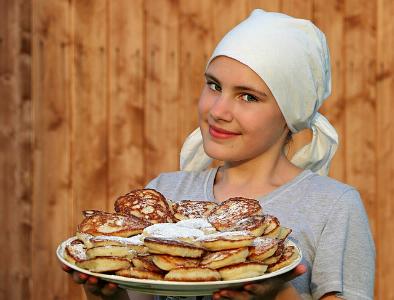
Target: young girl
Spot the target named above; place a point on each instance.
(264, 82)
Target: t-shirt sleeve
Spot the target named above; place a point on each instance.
(345, 255)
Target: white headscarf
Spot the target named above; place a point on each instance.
(292, 57)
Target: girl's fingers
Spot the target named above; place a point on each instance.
(79, 277)
(67, 269)
(109, 289)
(235, 295)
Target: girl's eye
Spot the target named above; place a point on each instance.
(213, 86)
(249, 98)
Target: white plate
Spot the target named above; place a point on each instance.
(171, 288)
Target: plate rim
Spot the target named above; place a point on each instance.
(147, 283)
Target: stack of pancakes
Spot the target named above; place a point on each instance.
(149, 237)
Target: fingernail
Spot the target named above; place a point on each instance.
(93, 280)
(83, 276)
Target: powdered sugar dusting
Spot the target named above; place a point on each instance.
(225, 235)
(171, 231)
(134, 240)
(199, 223)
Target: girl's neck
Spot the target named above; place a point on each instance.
(254, 178)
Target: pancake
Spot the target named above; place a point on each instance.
(115, 251)
(169, 262)
(192, 209)
(172, 247)
(230, 211)
(284, 233)
(226, 240)
(75, 252)
(147, 204)
(104, 264)
(277, 255)
(192, 274)
(289, 255)
(272, 226)
(140, 274)
(262, 248)
(219, 259)
(242, 270)
(112, 224)
(145, 263)
(254, 224)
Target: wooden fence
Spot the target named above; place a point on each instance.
(96, 97)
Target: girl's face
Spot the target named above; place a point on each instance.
(238, 116)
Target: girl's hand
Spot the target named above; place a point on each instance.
(267, 289)
(93, 284)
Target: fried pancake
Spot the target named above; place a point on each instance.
(220, 259)
(169, 262)
(115, 251)
(147, 204)
(172, 247)
(145, 263)
(133, 243)
(242, 270)
(104, 264)
(140, 274)
(289, 255)
(226, 240)
(272, 226)
(192, 209)
(192, 274)
(172, 231)
(284, 233)
(262, 248)
(200, 223)
(75, 252)
(104, 223)
(254, 224)
(277, 255)
(230, 211)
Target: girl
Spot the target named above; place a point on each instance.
(265, 81)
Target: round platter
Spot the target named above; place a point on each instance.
(176, 288)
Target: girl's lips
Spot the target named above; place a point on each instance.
(221, 133)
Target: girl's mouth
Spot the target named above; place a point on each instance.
(220, 133)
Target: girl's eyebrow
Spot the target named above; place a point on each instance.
(238, 87)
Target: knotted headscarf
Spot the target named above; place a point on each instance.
(292, 57)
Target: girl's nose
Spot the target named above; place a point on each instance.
(222, 108)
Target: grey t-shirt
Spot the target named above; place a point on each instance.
(328, 221)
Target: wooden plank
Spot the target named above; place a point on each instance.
(15, 150)
(329, 17)
(161, 87)
(52, 214)
(90, 107)
(126, 101)
(195, 29)
(267, 5)
(235, 12)
(360, 93)
(384, 149)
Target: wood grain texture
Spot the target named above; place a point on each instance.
(15, 148)
(96, 98)
(90, 106)
(360, 97)
(52, 197)
(195, 29)
(161, 86)
(383, 202)
(126, 97)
